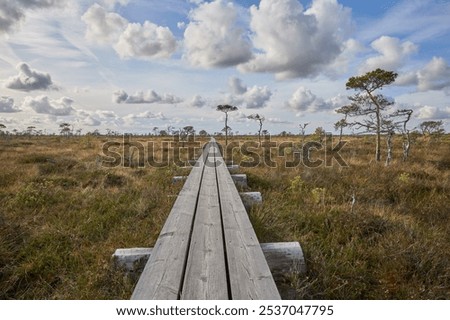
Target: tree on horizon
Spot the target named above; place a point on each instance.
(225, 108)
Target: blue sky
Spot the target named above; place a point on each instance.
(131, 65)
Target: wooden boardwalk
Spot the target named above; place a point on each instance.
(207, 248)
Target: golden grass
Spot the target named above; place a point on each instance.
(62, 215)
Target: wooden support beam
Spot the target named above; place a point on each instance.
(234, 168)
(177, 179)
(283, 258)
(240, 180)
(251, 199)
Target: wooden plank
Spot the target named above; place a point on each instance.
(206, 276)
(250, 276)
(163, 274)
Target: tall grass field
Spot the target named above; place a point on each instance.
(368, 231)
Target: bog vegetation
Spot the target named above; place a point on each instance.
(368, 231)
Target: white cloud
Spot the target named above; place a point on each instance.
(343, 62)
(181, 25)
(433, 76)
(105, 114)
(11, 12)
(144, 117)
(29, 80)
(45, 105)
(197, 2)
(277, 121)
(146, 41)
(102, 26)
(297, 43)
(338, 101)
(248, 97)
(91, 121)
(197, 102)
(236, 86)
(97, 118)
(151, 115)
(304, 100)
(140, 97)
(392, 54)
(110, 4)
(407, 79)
(237, 116)
(130, 40)
(213, 37)
(7, 105)
(429, 112)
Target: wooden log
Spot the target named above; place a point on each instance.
(240, 180)
(177, 179)
(132, 259)
(251, 199)
(282, 258)
(234, 168)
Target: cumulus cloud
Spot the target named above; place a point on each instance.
(433, 76)
(110, 4)
(130, 40)
(145, 115)
(238, 116)
(140, 97)
(145, 41)
(29, 79)
(197, 2)
(429, 112)
(277, 121)
(249, 97)
(151, 115)
(97, 118)
(293, 42)
(341, 64)
(338, 101)
(11, 12)
(91, 121)
(181, 25)
(236, 86)
(197, 102)
(304, 100)
(45, 105)
(392, 54)
(7, 105)
(103, 26)
(213, 38)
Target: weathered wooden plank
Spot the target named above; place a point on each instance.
(163, 274)
(250, 276)
(206, 276)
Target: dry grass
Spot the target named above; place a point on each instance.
(62, 215)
